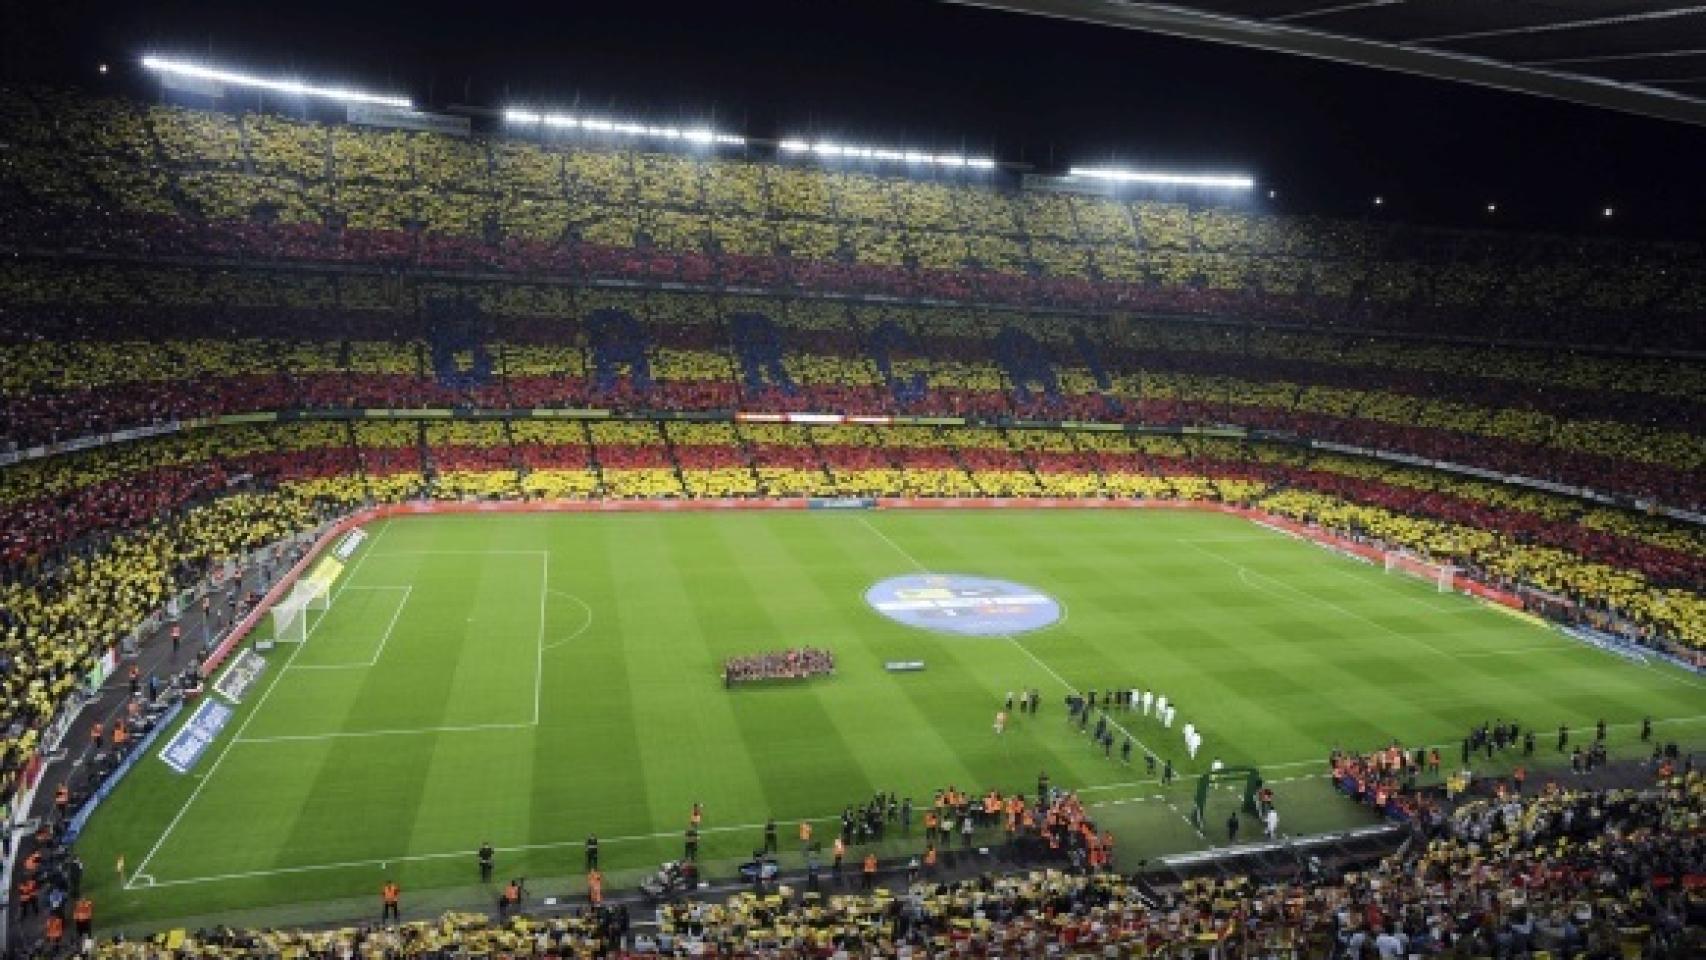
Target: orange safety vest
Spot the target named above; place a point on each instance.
(55, 929)
(62, 796)
(595, 886)
(95, 732)
(930, 857)
(84, 911)
(512, 893)
(120, 734)
(389, 892)
(805, 831)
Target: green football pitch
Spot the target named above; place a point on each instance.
(531, 679)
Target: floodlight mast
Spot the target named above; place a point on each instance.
(198, 71)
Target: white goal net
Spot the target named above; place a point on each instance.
(1442, 575)
(293, 616)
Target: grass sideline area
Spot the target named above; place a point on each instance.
(531, 679)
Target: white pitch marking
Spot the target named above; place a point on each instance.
(253, 713)
(520, 848)
(402, 732)
(383, 640)
(539, 641)
(1244, 573)
(1011, 639)
(585, 625)
(463, 553)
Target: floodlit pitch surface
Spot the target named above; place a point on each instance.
(531, 679)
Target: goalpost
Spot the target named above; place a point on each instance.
(1442, 575)
(292, 615)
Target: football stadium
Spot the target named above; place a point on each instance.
(534, 520)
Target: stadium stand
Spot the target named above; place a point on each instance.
(220, 329)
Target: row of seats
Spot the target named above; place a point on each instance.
(1625, 425)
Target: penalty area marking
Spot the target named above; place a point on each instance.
(585, 624)
(254, 712)
(384, 638)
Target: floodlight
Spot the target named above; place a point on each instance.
(563, 121)
(829, 148)
(1163, 178)
(1607, 212)
(180, 68)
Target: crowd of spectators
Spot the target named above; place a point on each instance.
(56, 622)
(118, 176)
(288, 343)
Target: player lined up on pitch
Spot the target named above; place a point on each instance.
(797, 663)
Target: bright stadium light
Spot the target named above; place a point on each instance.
(1162, 178)
(829, 148)
(563, 121)
(199, 72)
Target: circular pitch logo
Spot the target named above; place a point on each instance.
(971, 606)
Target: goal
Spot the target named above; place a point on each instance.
(292, 616)
(1442, 575)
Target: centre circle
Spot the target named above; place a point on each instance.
(969, 606)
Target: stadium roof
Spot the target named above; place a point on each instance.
(1644, 57)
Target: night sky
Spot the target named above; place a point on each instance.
(923, 74)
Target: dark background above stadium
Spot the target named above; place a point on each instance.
(1327, 137)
